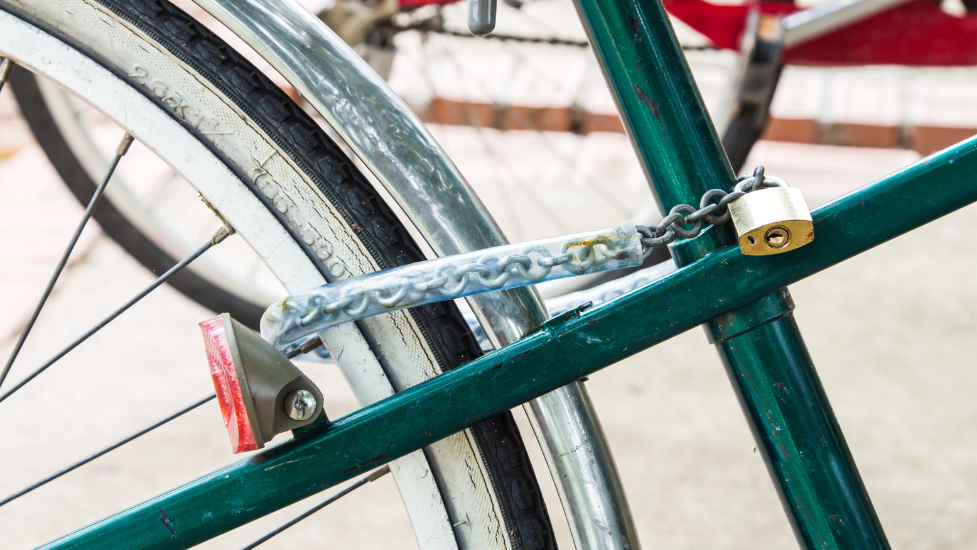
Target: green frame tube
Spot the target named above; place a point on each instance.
(822, 492)
(799, 438)
(657, 98)
(565, 349)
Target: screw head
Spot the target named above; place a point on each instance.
(777, 237)
(300, 405)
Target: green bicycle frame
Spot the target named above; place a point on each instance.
(742, 300)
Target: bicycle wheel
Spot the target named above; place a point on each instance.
(264, 166)
(128, 215)
(432, 62)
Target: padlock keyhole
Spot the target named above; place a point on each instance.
(777, 237)
(751, 239)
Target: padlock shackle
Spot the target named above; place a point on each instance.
(768, 181)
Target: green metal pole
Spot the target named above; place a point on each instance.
(797, 433)
(763, 351)
(656, 95)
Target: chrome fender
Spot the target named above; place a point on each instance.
(404, 157)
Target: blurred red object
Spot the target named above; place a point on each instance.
(916, 33)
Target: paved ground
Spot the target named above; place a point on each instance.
(892, 333)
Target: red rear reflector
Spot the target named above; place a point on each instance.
(227, 385)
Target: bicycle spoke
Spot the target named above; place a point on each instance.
(112, 447)
(119, 152)
(513, 173)
(221, 234)
(588, 179)
(511, 214)
(6, 65)
(356, 485)
(306, 347)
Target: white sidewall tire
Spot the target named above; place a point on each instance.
(308, 214)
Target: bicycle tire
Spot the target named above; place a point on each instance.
(341, 186)
(117, 226)
(202, 290)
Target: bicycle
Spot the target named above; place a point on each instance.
(147, 218)
(721, 296)
(740, 113)
(141, 216)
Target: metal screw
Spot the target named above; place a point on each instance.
(777, 237)
(300, 405)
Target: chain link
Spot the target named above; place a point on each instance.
(294, 319)
(712, 211)
(676, 224)
(552, 40)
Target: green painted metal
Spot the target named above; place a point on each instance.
(799, 438)
(565, 349)
(682, 155)
(657, 97)
(791, 419)
(766, 309)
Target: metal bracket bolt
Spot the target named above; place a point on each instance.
(300, 405)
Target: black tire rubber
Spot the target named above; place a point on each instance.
(442, 325)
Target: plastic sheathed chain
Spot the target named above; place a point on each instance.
(296, 318)
(292, 321)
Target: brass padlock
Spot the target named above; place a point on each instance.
(772, 220)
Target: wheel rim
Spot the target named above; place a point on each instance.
(242, 276)
(241, 208)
